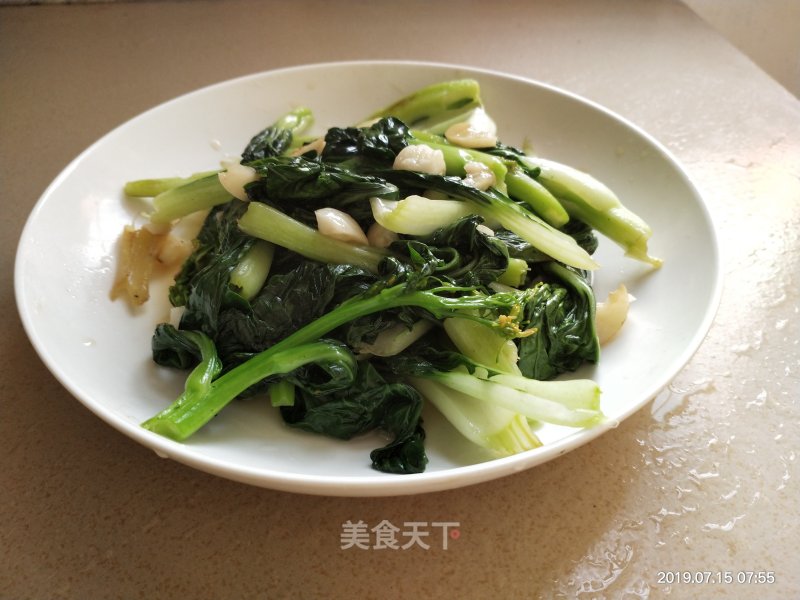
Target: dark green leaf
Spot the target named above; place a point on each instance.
(287, 302)
(403, 455)
(562, 312)
(298, 186)
(462, 253)
(370, 403)
(202, 285)
(272, 141)
(373, 147)
(172, 348)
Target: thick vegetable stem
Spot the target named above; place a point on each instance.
(434, 103)
(199, 194)
(590, 201)
(267, 223)
(199, 404)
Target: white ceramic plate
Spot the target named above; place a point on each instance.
(100, 350)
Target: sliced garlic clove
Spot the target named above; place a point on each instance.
(236, 176)
(420, 158)
(477, 132)
(380, 237)
(611, 314)
(478, 176)
(339, 225)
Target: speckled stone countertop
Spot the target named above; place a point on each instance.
(703, 479)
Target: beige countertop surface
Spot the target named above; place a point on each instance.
(702, 479)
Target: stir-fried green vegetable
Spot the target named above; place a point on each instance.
(455, 273)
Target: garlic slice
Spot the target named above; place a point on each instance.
(395, 339)
(339, 225)
(478, 176)
(380, 237)
(611, 314)
(236, 176)
(479, 131)
(421, 158)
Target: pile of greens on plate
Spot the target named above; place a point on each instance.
(351, 278)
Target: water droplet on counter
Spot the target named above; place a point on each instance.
(777, 301)
(88, 342)
(730, 494)
(216, 145)
(675, 397)
(748, 347)
(786, 476)
(761, 398)
(722, 526)
(698, 477)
